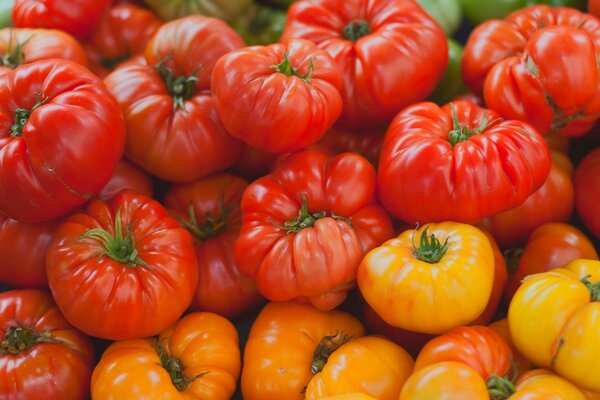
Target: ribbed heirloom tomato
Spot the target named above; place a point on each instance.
(391, 53)
(279, 98)
(127, 176)
(459, 163)
(61, 135)
(141, 260)
(587, 191)
(307, 225)
(198, 357)
(173, 130)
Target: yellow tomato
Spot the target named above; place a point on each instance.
(429, 280)
(554, 321)
(371, 365)
(196, 358)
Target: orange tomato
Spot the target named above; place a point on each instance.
(502, 329)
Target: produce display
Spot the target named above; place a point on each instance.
(299, 199)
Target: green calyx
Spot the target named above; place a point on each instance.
(326, 347)
(212, 227)
(181, 88)
(500, 388)
(20, 338)
(356, 29)
(460, 133)
(175, 368)
(512, 258)
(593, 287)
(22, 116)
(119, 247)
(430, 249)
(306, 220)
(286, 68)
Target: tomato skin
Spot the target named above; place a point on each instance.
(122, 33)
(367, 143)
(38, 44)
(161, 127)
(474, 178)
(452, 83)
(226, 10)
(514, 62)
(203, 342)
(559, 311)
(552, 202)
(49, 170)
(586, 191)
(23, 248)
(272, 110)
(594, 7)
(398, 64)
(53, 371)
(152, 296)
(127, 176)
(389, 367)
(77, 17)
(317, 263)
(400, 287)
(222, 288)
(501, 328)
(501, 8)
(447, 13)
(281, 346)
(550, 246)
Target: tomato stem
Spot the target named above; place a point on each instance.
(175, 368)
(119, 247)
(22, 116)
(286, 68)
(326, 347)
(512, 257)
(181, 88)
(13, 57)
(20, 338)
(500, 388)
(593, 287)
(430, 249)
(356, 29)
(460, 133)
(212, 227)
(306, 220)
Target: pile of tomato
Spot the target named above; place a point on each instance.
(311, 199)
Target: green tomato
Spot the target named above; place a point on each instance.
(278, 3)
(452, 83)
(6, 7)
(478, 11)
(226, 10)
(446, 12)
(260, 25)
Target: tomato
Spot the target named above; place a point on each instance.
(538, 65)
(452, 83)
(6, 7)
(288, 343)
(429, 280)
(198, 357)
(558, 142)
(77, 17)
(594, 7)
(389, 365)
(226, 10)
(501, 8)
(550, 246)
(260, 25)
(367, 143)
(552, 202)
(53, 113)
(210, 209)
(349, 396)
(170, 114)
(391, 53)
(127, 176)
(501, 328)
(553, 319)
(447, 13)
(23, 45)
(279, 98)
(587, 192)
(307, 225)
(122, 33)
(142, 261)
(41, 355)
(23, 248)
(477, 163)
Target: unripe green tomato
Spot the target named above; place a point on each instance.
(478, 11)
(452, 83)
(6, 7)
(226, 10)
(447, 13)
(260, 25)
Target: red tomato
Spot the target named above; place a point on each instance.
(391, 53)
(127, 176)
(22, 46)
(367, 143)
(23, 248)
(278, 98)
(77, 17)
(41, 355)
(62, 134)
(307, 225)
(552, 202)
(210, 209)
(587, 191)
(141, 260)
(173, 130)
(121, 34)
(538, 65)
(594, 7)
(458, 163)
